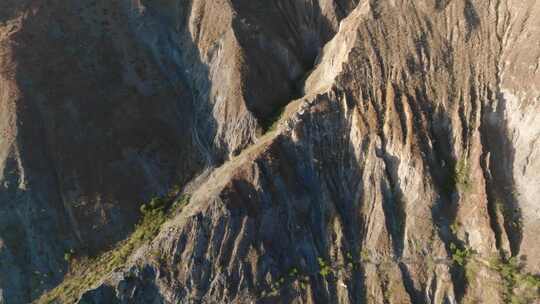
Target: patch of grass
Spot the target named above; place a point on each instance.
(89, 271)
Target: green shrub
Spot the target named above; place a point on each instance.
(293, 272)
(68, 255)
(460, 256)
(324, 268)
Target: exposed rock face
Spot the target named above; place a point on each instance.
(412, 140)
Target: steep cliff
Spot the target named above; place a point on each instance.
(333, 151)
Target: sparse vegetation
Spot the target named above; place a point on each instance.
(364, 256)
(293, 272)
(324, 268)
(461, 175)
(519, 287)
(271, 123)
(68, 255)
(454, 228)
(458, 178)
(86, 272)
(471, 270)
(296, 275)
(460, 256)
(510, 213)
(350, 260)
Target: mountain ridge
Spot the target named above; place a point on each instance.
(407, 133)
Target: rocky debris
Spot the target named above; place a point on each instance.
(401, 170)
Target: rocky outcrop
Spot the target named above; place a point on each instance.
(401, 168)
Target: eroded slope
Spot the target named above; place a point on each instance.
(405, 174)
